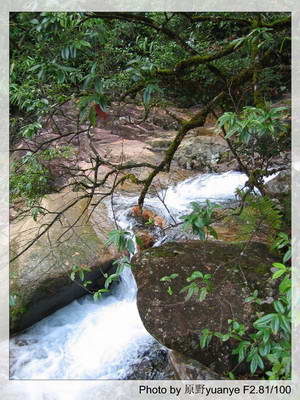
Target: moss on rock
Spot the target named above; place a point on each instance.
(237, 270)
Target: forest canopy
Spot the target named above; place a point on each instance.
(222, 64)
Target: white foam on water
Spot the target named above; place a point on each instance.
(215, 187)
(84, 340)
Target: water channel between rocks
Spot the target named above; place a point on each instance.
(104, 339)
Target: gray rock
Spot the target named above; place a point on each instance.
(280, 184)
(187, 368)
(203, 153)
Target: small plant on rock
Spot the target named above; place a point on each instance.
(267, 344)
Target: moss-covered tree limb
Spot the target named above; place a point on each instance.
(181, 67)
(196, 121)
(281, 23)
(142, 19)
(197, 60)
(217, 72)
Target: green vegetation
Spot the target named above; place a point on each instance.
(201, 219)
(194, 289)
(223, 61)
(267, 345)
(89, 66)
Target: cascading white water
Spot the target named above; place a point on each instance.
(101, 340)
(85, 340)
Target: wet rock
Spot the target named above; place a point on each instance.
(144, 240)
(203, 153)
(40, 277)
(146, 216)
(280, 184)
(177, 322)
(187, 368)
(153, 365)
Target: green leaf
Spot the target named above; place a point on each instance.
(96, 296)
(130, 246)
(278, 274)
(285, 285)
(231, 376)
(184, 289)
(266, 335)
(253, 365)
(287, 255)
(148, 92)
(170, 291)
(260, 362)
(81, 275)
(37, 66)
(205, 338)
(212, 232)
(279, 266)
(219, 335)
(194, 275)
(264, 349)
(203, 293)
(12, 300)
(241, 354)
(226, 337)
(264, 320)
(191, 291)
(110, 279)
(64, 68)
(275, 324)
(168, 278)
(285, 323)
(203, 341)
(279, 307)
(249, 299)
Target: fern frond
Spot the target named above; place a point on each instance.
(261, 217)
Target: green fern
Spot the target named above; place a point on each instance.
(260, 217)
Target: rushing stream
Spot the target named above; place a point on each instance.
(103, 339)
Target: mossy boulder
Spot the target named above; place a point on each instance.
(280, 184)
(237, 270)
(40, 279)
(203, 153)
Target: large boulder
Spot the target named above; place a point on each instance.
(237, 270)
(203, 153)
(40, 277)
(280, 184)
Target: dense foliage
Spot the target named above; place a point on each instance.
(55, 56)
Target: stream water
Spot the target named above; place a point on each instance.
(103, 339)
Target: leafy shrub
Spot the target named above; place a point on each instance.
(200, 220)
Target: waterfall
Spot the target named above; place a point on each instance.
(103, 339)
